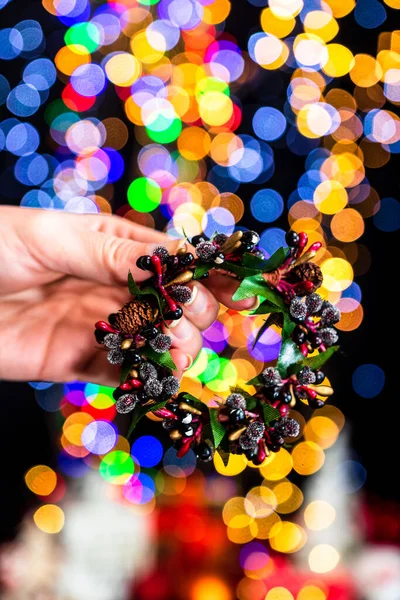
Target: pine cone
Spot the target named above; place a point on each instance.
(306, 272)
(134, 316)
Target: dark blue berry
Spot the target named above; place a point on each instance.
(203, 452)
(292, 239)
(99, 334)
(144, 263)
(112, 318)
(150, 332)
(319, 377)
(299, 336)
(172, 262)
(196, 239)
(173, 315)
(185, 260)
(287, 398)
(237, 415)
(134, 357)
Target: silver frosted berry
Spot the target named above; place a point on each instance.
(162, 253)
(126, 403)
(170, 385)
(287, 427)
(161, 343)
(236, 401)
(306, 376)
(115, 357)
(147, 371)
(153, 388)
(330, 315)
(314, 303)
(181, 293)
(328, 336)
(206, 251)
(271, 377)
(255, 430)
(246, 443)
(298, 308)
(112, 341)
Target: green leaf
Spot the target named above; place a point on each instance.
(275, 261)
(270, 413)
(201, 269)
(164, 359)
(316, 362)
(225, 455)
(256, 381)
(257, 286)
(266, 308)
(288, 356)
(133, 288)
(140, 411)
(239, 270)
(218, 430)
(275, 318)
(288, 326)
(253, 262)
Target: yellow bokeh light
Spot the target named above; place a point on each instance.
(366, 71)
(215, 108)
(277, 466)
(323, 558)
(308, 458)
(311, 592)
(49, 518)
(341, 8)
(347, 225)
(319, 515)
(330, 197)
(236, 464)
(278, 26)
(260, 502)
(287, 537)
(123, 69)
(338, 274)
(210, 588)
(289, 497)
(279, 593)
(340, 60)
(322, 431)
(321, 23)
(41, 480)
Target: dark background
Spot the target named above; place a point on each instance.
(27, 432)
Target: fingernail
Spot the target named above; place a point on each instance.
(174, 323)
(195, 290)
(190, 362)
(184, 331)
(256, 304)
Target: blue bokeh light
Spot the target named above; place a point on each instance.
(368, 380)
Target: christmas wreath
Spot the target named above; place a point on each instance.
(254, 425)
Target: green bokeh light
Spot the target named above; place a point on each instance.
(164, 130)
(117, 467)
(144, 194)
(83, 34)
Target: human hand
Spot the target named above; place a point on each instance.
(62, 272)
